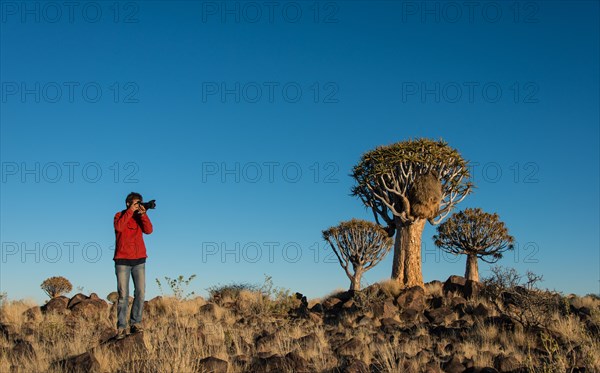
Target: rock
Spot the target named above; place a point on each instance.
(468, 363)
(265, 342)
(441, 316)
(350, 305)
(310, 342)
(83, 363)
(76, 299)
(89, 308)
(472, 289)
(240, 360)
(211, 334)
(364, 321)
(300, 364)
(453, 365)
(212, 364)
(434, 284)
(33, 313)
(332, 303)
(137, 343)
(57, 304)
(352, 347)
(436, 302)
(506, 363)
(210, 311)
(409, 315)
(442, 331)
(385, 309)
(274, 363)
(423, 355)
(413, 298)
(504, 322)
(433, 367)
(157, 300)
(29, 328)
(346, 319)
(481, 311)
(345, 296)
(584, 311)
(315, 318)
(355, 366)
(318, 308)
(106, 333)
(454, 284)
(23, 348)
(389, 325)
(376, 291)
(443, 348)
(8, 331)
(300, 307)
(457, 301)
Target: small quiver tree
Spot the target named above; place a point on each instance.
(476, 234)
(359, 245)
(55, 286)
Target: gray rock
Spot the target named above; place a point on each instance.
(352, 347)
(506, 363)
(212, 364)
(413, 298)
(453, 365)
(76, 299)
(57, 304)
(454, 284)
(83, 363)
(441, 316)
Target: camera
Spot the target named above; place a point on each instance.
(148, 205)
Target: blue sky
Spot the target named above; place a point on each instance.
(243, 121)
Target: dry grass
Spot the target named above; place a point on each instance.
(180, 335)
(434, 289)
(392, 287)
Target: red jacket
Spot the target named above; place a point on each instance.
(128, 232)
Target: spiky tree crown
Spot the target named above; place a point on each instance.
(384, 178)
(55, 286)
(358, 242)
(475, 232)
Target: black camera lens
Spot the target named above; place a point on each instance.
(149, 205)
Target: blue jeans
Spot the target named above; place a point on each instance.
(123, 272)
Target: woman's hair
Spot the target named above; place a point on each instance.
(131, 196)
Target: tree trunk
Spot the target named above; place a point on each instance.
(398, 261)
(472, 272)
(406, 267)
(413, 274)
(355, 281)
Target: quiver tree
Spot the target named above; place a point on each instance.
(476, 234)
(406, 184)
(359, 245)
(55, 286)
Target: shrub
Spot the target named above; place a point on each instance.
(226, 293)
(178, 286)
(269, 299)
(520, 298)
(112, 297)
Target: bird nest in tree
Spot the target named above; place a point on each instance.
(425, 196)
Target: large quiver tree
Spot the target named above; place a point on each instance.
(359, 245)
(476, 234)
(406, 184)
